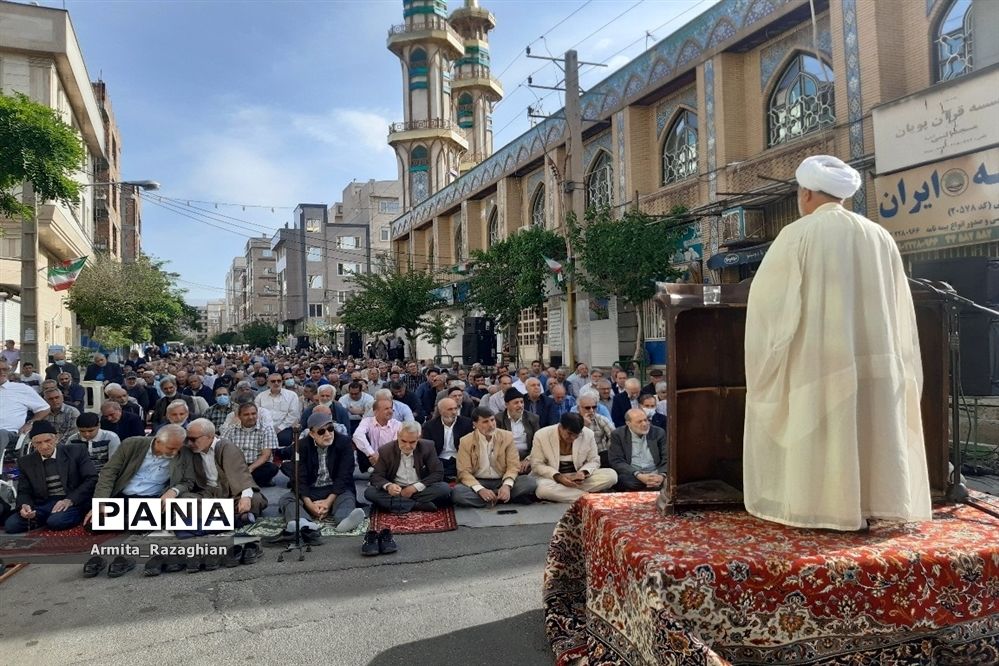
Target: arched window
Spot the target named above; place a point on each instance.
(538, 207)
(680, 148)
(419, 174)
(598, 181)
(466, 114)
(459, 244)
(953, 41)
(418, 69)
(802, 102)
(494, 230)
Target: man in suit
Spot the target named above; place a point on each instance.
(102, 371)
(169, 387)
(219, 470)
(408, 475)
(73, 394)
(56, 484)
(565, 461)
(489, 466)
(638, 453)
(113, 419)
(446, 431)
(522, 424)
(60, 364)
(655, 376)
(625, 400)
(539, 404)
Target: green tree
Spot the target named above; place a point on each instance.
(389, 299)
(36, 146)
(626, 257)
(259, 334)
(438, 330)
(510, 276)
(227, 338)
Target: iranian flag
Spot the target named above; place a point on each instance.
(62, 276)
(555, 267)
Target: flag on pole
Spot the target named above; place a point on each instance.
(555, 268)
(63, 275)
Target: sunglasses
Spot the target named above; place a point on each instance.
(325, 429)
(588, 408)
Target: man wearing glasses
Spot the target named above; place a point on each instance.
(284, 406)
(601, 426)
(219, 470)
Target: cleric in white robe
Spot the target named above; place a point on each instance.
(833, 431)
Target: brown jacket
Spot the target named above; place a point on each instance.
(425, 460)
(126, 461)
(505, 458)
(234, 474)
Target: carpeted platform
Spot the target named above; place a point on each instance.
(50, 542)
(627, 584)
(272, 526)
(415, 522)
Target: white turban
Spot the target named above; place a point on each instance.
(825, 173)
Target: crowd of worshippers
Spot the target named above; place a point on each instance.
(218, 424)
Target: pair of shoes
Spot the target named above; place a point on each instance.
(311, 537)
(251, 553)
(284, 537)
(378, 543)
(120, 566)
(233, 556)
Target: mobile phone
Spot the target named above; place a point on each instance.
(503, 512)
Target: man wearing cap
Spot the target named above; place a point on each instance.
(833, 431)
(55, 486)
(565, 462)
(655, 376)
(99, 444)
(521, 423)
(136, 391)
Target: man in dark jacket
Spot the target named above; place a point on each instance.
(219, 469)
(539, 404)
(408, 475)
(102, 371)
(625, 400)
(401, 393)
(56, 484)
(638, 453)
(123, 424)
(446, 430)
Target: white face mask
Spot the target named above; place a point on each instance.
(649, 411)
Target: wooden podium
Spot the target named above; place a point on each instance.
(705, 334)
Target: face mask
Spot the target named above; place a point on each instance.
(289, 383)
(649, 411)
(60, 362)
(222, 400)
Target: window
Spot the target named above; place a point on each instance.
(266, 254)
(315, 253)
(494, 230)
(538, 207)
(347, 269)
(419, 174)
(342, 296)
(390, 206)
(315, 282)
(598, 182)
(802, 102)
(316, 310)
(459, 244)
(313, 225)
(418, 70)
(466, 113)
(386, 234)
(268, 271)
(348, 242)
(680, 148)
(953, 42)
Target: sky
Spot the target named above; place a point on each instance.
(254, 105)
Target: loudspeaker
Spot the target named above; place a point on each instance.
(479, 325)
(478, 348)
(979, 354)
(303, 342)
(975, 278)
(353, 346)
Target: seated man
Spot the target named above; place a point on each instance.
(647, 403)
(128, 404)
(625, 400)
(99, 444)
(638, 453)
(325, 395)
(256, 442)
(565, 461)
(446, 431)
(219, 471)
(219, 412)
(56, 484)
(137, 390)
(176, 414)
(357, 403)
(169, 387)
(73, 394)
(61, 416)
(325, 480)
(102, 371)
(539, 404)
(522, 424)
(408, 476)
(375, 431)
(16, 400)
(489, 466)
(113, 419)
(601, 426)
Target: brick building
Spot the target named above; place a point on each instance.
(107, 199)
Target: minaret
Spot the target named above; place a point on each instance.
(428, 143)
(475, 91)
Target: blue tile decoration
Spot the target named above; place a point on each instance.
(621, 170)
(709, 108)
(601, 142)
(854, 105)
(722, 32)
(666, 108)
(653, 68)
(772, 56)
(531, 182)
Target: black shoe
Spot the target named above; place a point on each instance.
(311, 537)
(194, 564)
(120, 566)
(212, 562)
(429, 507)
(386, 544)
(94, 566)
(251, 553)
(155, 566)
(232, 557)
(371, 544)
(174, 563)
(282, 538)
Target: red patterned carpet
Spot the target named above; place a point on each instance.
(50, 542)
(415, 522)
(626, 584)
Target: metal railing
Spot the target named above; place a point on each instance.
(465, 72)
(428, 22)
(430, 123)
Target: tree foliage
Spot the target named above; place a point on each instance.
(36, 146)
(388, 299)
(626, 257)
(259, 334)
(228, 338)
(123, 303)
(438, 330)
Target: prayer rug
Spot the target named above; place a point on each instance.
(415, 522)
(51, 542)
(274, 525)
(625, 583)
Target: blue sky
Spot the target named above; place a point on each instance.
(271, 103)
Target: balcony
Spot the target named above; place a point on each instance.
(479, 77)
(424, 29)
(60, 233)
(439, 128)
(474, 17)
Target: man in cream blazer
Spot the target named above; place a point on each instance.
(489, 466)
(564, 459)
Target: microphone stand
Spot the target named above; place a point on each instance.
(957, 492)
(296, 429)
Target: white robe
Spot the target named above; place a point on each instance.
(833, 431)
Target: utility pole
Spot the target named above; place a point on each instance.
(29, 279)
(573, 186)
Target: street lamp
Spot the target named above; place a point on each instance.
(142, 184)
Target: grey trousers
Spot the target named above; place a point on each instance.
(523, 487)
(342, 505)
(436, 493)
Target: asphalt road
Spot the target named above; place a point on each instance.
(472, 596)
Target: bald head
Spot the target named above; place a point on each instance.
(448, 409)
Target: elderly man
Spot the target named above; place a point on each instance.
(375, 431)
(113, 419)
(489, 466)
(625, 400)
(833, 428)
(565, 461)
(137, 391)
(220, 409)
(55, 486)
(357, 403)
(446, 431)
(284, 406)
(99, 444)
(539, 404)
(562, 402)
(638, 453)
(655, 376)
(522, 424)
(103, 371)
(60, 364)
(219, 471)
(256, 441)
(61, 416)
(196, 387)
(600, 425)
(496, 402)
(326, 395)
(128, 404)
(177, 414)
(400, 410)
(407, 475)
(16, 400)
(169, 387)
(579, 379)
(73, 394)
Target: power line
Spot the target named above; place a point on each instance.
(543, 35)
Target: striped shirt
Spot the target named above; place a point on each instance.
(64, 421)
(53, 483)
(100, 448)
(323, 478)
(251, 440)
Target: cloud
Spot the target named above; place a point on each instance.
(603, 44)
(346, 127)
(616, 62)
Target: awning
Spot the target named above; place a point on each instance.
(748, 255)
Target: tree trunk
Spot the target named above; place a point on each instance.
(539, 312)
(639, 334)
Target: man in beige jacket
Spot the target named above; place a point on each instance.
(565, 461)
(489, 466)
